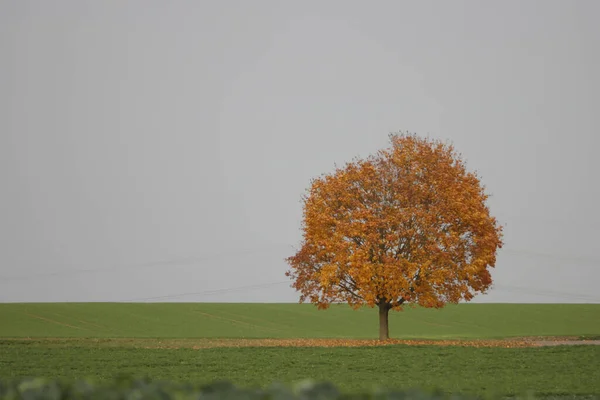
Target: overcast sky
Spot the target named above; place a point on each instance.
(158, 150)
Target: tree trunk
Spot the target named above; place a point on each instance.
(384, 330)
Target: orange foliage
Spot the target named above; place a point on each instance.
(407, 225)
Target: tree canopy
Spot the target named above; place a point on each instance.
(409, 224)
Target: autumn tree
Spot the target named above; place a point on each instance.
(408, 225)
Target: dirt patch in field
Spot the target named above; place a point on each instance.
(568, 342)
(198, 344)
(356, 343)
(506, 343)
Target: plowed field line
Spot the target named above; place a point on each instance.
(55, 322)
(198, 344)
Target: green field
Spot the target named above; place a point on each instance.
(552, 370)
(209, 320)
(31, 345)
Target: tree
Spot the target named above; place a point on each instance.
(408, 225)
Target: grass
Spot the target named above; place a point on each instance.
(561, 370)
(101, 340)
(212, 320)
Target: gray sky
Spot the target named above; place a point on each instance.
(151, 149)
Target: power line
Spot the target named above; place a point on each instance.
(546, 293)
(552, 256)
(502, 288)
(557, 257)
(191, 260)
(208, 292)
(172, 262)
(535, 220)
